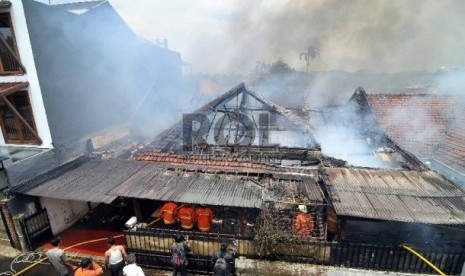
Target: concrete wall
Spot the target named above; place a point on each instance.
(63, 213)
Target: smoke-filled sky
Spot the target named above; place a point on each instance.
(228, 36)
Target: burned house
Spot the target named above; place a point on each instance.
(235, 180)
(254, 188)
(251, 160)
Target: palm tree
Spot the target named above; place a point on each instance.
(312, 53)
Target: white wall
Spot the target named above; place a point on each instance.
(63, 213)
(25, 52)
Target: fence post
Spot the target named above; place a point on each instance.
(9, 224)
(20, 232)
(26, 234)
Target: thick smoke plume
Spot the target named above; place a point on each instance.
(229, 36)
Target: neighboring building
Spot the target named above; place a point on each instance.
(69, 74)
(431, 127)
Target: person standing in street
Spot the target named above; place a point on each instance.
(114, 257)
(89, 268)
(178, 258)
(222, 261)
(132, 269)
(57, 258)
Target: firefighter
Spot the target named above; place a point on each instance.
(204, 218)
(168, 212)
(186, 217)
(303, 224)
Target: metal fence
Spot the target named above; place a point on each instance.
(36, 228)
(153, 249)
(395, 258)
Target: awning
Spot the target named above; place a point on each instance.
(5, 4)
(8, 88)
(104, 180)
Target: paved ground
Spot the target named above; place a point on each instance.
(247, 268)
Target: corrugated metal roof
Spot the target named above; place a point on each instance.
(409, 196)
(89, 181)
(104, 180)
(191, 187)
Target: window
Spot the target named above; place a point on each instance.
(14, 130)
(9, 64)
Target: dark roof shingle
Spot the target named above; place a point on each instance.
(417, 122)
(407, 196)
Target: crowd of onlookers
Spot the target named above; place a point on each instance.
(119, 263)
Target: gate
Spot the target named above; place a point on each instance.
(36, 228)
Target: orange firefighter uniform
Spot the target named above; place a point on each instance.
(168, 212)
(186, 217)
(204, 218)
(303, 224)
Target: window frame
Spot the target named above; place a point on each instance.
(20, 70)
(19, 126)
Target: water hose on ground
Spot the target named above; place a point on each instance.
(423, 259)
(69, 247)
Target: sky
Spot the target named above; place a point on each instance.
(229, 36)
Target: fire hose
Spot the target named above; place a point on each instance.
(69, 247)
(423, 259)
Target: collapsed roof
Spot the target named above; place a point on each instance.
(220, 115)
(164, 171)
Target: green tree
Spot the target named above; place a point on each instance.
(280, 67)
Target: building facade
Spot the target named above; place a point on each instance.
(69, 73)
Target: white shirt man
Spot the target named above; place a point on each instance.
(132, 269)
